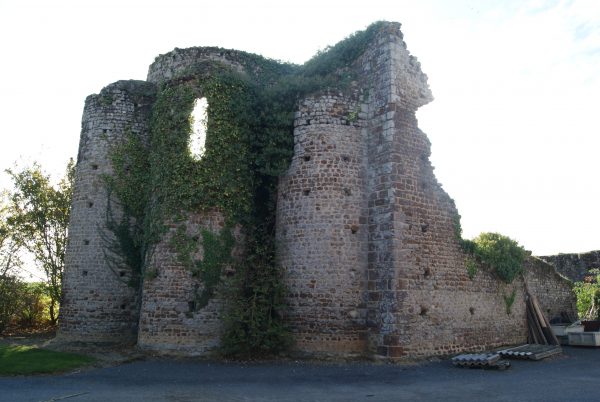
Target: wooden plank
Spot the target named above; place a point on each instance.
(538, 311)
(546, 327)
(537, 327)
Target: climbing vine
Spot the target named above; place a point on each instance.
(249, 144)
(217, 249)
(509, 300)
(125, 243)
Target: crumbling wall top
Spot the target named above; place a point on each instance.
(190, 61)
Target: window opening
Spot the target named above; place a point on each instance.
(199, 119)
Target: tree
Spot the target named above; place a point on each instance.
(9, 261)
(40, 217)
(9, 243)
(10, 287)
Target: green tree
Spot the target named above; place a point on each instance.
(10, 288)
(40, 218)
(588, 296)
(9, 243)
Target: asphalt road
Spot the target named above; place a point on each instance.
(574, 376)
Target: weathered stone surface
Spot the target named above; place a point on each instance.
(97, 304)
(365, 233)
(169, 319)
(553, 291)
(575, 266)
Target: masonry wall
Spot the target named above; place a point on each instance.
(552, 289)
(190, 61)
(365, 233)
(411, 296)
(321, 227)
(170, 319)
(575, 266)
(97, 304)
(421, 299)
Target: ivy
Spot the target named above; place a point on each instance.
(472, 267)
(217, 250)
(249, 144)
(509, 300)
(125, 243)
(253, 323)
(335, 59)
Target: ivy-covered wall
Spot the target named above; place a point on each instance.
(313, 222)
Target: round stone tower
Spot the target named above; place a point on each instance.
(321, 227)
(98, 305)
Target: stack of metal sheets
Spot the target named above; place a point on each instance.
(482, 360)
(531, 352)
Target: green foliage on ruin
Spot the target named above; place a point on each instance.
(253, 323)
(334, 60)
(502, 253)
(509, 300)
(217, 249)
(472, 267)
(249, 144)
(125, 242)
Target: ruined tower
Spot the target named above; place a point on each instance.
(97, 304)
(366, 236)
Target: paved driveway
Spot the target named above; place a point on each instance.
(574, 376)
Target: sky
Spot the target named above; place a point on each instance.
(514, 123)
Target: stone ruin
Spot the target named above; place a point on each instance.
(575, 266)
(366, 234)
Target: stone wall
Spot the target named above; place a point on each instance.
(181, 61)
(553, 290)
(575, 266)
(321, 227)
(421, 301)
(169, 317)
(365, 234)
(411, 296)
(97, 304)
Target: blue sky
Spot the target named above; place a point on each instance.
(514, 123)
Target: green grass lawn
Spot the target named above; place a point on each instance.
(24, 360)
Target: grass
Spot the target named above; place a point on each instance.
(26, 360)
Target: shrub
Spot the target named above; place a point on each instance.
(472, 268)
(9, 299)
(34, 302)
(501, 253)
(588, 297)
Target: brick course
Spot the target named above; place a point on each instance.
(365, 233)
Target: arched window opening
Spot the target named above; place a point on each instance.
(199, 122)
